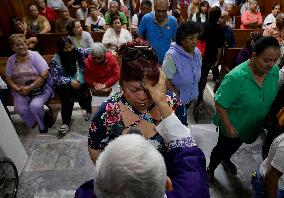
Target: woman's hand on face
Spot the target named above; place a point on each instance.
(158, 91)
(75, 84)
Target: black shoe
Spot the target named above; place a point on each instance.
(43, 130)
(48, 120)
(210, 176)
(229, 167)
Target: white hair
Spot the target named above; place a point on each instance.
(98, 50)
(114, 3)
(130, 167)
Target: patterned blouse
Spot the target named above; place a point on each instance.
(57, 70)
(108, 124)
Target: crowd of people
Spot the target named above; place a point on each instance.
(161, 65)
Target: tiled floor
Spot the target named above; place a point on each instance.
(57, 165)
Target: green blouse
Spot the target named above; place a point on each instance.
(246, 102)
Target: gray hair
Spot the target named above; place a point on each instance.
(98, 50)
(130, 167)
(114, 3)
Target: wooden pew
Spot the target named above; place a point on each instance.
(238, 22)
(47, 43)
(241, 36)
(229, 60)
(183, 12)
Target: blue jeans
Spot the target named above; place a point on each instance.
(257, 182)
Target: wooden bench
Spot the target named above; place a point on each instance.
(238, 22)
(229, 61)
(241, 36)
(47, 43)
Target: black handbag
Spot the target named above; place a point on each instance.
(35, 92)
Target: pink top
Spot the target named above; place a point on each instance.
(249, 17)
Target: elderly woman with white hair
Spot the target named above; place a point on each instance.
(68, 75)
(102, 70)
(130, 166)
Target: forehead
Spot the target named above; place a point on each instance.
(33, 7)
(77, 24)
(270, 52)
(161, 5)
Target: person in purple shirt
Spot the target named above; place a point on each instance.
(131, 167)
(27, 74)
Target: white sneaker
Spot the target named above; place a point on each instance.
(64, 128)
(87, 116)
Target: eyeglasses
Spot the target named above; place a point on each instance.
(132, 53)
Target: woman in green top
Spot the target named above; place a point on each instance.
(243, 101)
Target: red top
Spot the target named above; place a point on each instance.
(49, 13)
(107, 73)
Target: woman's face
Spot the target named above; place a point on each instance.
(116, 25)
(20, 47)
(276, 10)
(77, 29)
(253, 5)
(266, 60)
(20, 26)
(190, 42)
(33, 11)
(68, 47)
(204, 9)
(136, 95)
(94, 14)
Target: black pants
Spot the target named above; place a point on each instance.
(224, 150)
(68, 95)
(203, 78)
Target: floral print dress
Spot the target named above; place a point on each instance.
(108, 124)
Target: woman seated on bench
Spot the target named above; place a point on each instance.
(251, 19)
(67, 71)
(28, 76)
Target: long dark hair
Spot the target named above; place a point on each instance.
(68, 59)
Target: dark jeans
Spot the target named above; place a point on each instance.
(69, 95)
(224, 150)
(203, 80)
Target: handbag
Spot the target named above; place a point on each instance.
(35, 92)
(102, 92)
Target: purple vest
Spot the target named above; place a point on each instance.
(188, 72)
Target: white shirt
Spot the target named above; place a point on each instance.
(211, 2)
(110, 37)
(81, 15)
(134, 21)
(218, 5)
(55, 4)
(3, 85)
(268, 20)
(202, 17)
(100, 21)
(275, 159)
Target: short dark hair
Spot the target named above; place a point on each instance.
(146, 3)
(264, 43)
(186, 29)
(115, 18)
(276, 4)
(203, 3)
